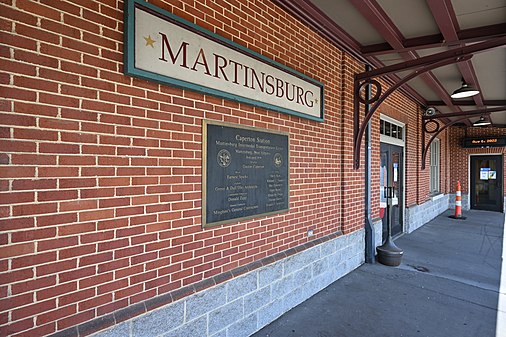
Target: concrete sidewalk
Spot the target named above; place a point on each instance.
(447, 285)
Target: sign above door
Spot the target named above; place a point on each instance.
(484, 142)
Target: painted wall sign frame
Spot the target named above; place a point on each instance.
(162, 47)
(245, 173)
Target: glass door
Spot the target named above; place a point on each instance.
(391, 175)
(487, 183)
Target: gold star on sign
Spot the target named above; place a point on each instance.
(316, 100)
(150, 41)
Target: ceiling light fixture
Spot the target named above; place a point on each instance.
(465, 91)
(481, 122)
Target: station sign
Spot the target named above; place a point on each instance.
(162, 47)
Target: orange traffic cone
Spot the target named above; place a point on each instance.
(458, 204)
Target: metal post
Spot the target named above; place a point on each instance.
(369, 229)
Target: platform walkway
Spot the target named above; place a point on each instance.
(449, 284)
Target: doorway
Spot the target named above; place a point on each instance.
(392, 175)
(487, 183)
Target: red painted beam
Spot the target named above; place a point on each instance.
(452, 53)
(469, 103)
(443, 13)
(312, 16)
(470, 35)
(377, 17)
(445, 17)
(308, 13)
(373, 12)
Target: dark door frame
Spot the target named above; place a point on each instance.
(401, 180)
(499, 180)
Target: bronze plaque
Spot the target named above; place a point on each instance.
(245, 173)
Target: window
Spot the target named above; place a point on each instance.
(434, 166)
(391, 130)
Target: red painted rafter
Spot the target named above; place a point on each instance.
(375, 15)
(445, 18)
(311, 15)
(420, 66)
(468, 103)
(314, 17)
(470, 35)
(457, 53)
(392, 78)
(469, 75)
(444, 15)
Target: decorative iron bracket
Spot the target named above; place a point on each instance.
(436, 129)
(421, 65)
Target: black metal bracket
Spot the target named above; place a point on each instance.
(420, 66)
(436, 127)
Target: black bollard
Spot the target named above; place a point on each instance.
(388, 253)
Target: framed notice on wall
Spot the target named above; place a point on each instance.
(245, 173)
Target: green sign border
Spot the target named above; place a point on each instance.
(131, 70)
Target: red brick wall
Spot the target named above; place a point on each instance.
(351, 201)
(101, 173)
